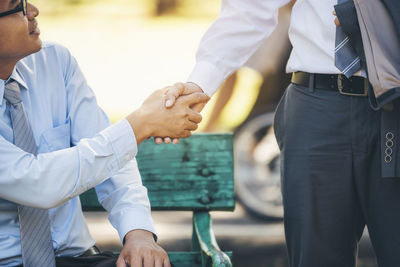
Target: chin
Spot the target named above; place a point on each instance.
(39, 44)
(36, 47)
(32, 49)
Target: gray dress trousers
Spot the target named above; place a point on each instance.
(331, 180)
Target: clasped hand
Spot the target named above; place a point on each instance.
(172, 95)
(176, 120)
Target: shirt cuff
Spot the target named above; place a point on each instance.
(134, 219)
(123, 141)
(207, 76)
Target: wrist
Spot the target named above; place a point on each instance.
(139, 233)
(137, 121)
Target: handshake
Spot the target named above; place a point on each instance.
(171, 112)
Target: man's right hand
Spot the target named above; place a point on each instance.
(172, 94)
(180, 89)
(153, 119)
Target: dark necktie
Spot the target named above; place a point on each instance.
(36, 242)
(346, 59)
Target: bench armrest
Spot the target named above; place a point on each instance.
(207, 241)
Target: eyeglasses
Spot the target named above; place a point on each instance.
(21, 7)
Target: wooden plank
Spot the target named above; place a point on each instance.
(196, 174)
(90, 202)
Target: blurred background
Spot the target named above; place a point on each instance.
(129, 48)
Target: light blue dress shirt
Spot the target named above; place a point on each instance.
(76, 152)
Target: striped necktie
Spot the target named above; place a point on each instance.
(346, 59)
(36, 243)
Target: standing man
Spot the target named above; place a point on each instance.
(328, 134)
(56, 143)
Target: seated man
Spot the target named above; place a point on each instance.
(56, 143)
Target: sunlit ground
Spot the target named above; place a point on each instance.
(125, 51)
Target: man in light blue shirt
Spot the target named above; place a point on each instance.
(77, 149)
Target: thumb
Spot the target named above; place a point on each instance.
(173, 93)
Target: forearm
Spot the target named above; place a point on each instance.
(232, 39)
(126, 200)
(52, 178)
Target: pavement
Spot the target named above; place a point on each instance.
(254, 242)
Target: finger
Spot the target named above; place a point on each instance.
(185, 134)
(337, 22)
(173, 93)
(194, 116)
(148, 261)
(191, 126)
(158, 262)
(175, 141)
(198, 107)
(195, 98)
(191, 87)
(158, 140)
(181, 88)
(121, 262)
(166, 263)
(136, 261)
(167, 140)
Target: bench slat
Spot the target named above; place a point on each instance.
(196, 174)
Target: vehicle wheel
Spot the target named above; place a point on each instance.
(257, 167)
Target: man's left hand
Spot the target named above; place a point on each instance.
(337, 22)
(140, 250)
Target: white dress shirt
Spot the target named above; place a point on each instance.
(77, 151)
(243, 25)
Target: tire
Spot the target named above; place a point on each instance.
(257, 168)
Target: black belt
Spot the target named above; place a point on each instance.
(357, 86)
(91, 252)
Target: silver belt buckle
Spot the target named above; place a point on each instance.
(340, 87)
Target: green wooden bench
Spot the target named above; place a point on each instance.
(194, 175)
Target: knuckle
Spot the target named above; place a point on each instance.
(179, 85)
(149, 253)
(164, 254)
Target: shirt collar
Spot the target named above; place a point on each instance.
(15, 76)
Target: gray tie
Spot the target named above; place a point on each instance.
(36, 243)
(346, 59)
